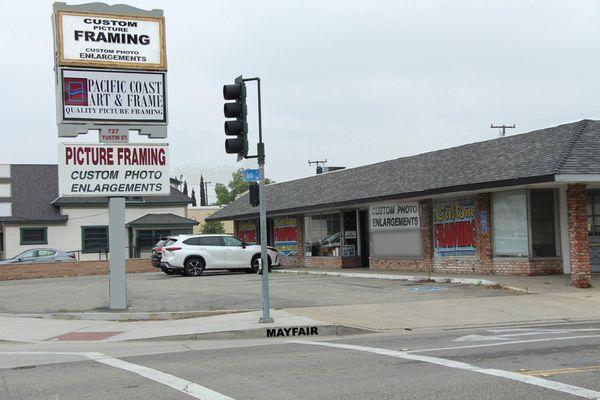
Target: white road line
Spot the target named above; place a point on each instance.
(531, 380)
(190, 388)
(475, 346)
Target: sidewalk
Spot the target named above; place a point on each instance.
(537, 299)
(549, 298)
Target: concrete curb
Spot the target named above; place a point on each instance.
(126, 316)
(262, 333)
(410, 278)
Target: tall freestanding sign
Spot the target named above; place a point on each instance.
(110, 68)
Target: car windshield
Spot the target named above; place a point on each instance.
(160, 243)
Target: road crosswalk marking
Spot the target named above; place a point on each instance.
(190, 388)
(531, 380)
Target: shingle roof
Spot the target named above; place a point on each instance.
(33, 188)
(536, 156)
(162, 219)
(34, 192)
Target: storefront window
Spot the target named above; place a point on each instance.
(284, 231)
(349, 245)
(247, 232)
(453, 228)
(509, 223)
(322, 235)
(543, 208)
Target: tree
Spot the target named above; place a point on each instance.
(202, 192)
(193, 198)
(185, 191)
(213, 227)
(236, 186)
(222, 193)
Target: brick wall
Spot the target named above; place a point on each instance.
(578, 236)
(80, 268)
(481, 263)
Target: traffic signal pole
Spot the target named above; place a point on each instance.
(239, 146)
(264, 258)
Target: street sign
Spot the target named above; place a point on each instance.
(108, 40)
(99, 170)
(251, 175)
(96, 96)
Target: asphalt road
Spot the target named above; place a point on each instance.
(221, 291)
(512, 362)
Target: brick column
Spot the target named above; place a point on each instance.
(426, 236)
(578, 236)
(300, 238)
(483, 234)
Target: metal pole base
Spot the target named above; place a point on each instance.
(262, 320)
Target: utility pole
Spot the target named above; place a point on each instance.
(503, 127)
(206, 191)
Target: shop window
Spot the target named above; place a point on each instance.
(593, 213)
(350, 239)
(34, 235)
(94, 239)
(509, 224)
(544, 219)
(322, 235)
(395, 230)
(247, 232)
(284, 232)
(453, 228)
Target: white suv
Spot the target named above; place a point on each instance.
(192, 254)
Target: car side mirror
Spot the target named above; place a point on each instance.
(244, 245)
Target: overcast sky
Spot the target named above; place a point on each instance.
(353, 82)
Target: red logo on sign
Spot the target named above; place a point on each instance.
(75, 91)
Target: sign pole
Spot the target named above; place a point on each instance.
(117, 284)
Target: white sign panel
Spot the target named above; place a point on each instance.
(394, 216)
(111, 96)
(99, 170)
(103, 40)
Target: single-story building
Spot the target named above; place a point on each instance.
(33, 216)
(526, 204)
(200, 213)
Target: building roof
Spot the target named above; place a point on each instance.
(532, 157)
(162, 220)
(33, 188)
(34, 195)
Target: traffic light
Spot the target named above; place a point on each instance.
(239, 126)
(253, 194)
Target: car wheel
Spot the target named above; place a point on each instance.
(168, 271)
(194, 266)
(254, 265)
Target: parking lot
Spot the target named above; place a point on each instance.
(156, 291)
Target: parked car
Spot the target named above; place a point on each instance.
(192, 254)
(157, 252)
(40, 256)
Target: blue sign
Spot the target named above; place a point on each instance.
(484, 225)
(251, 175)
